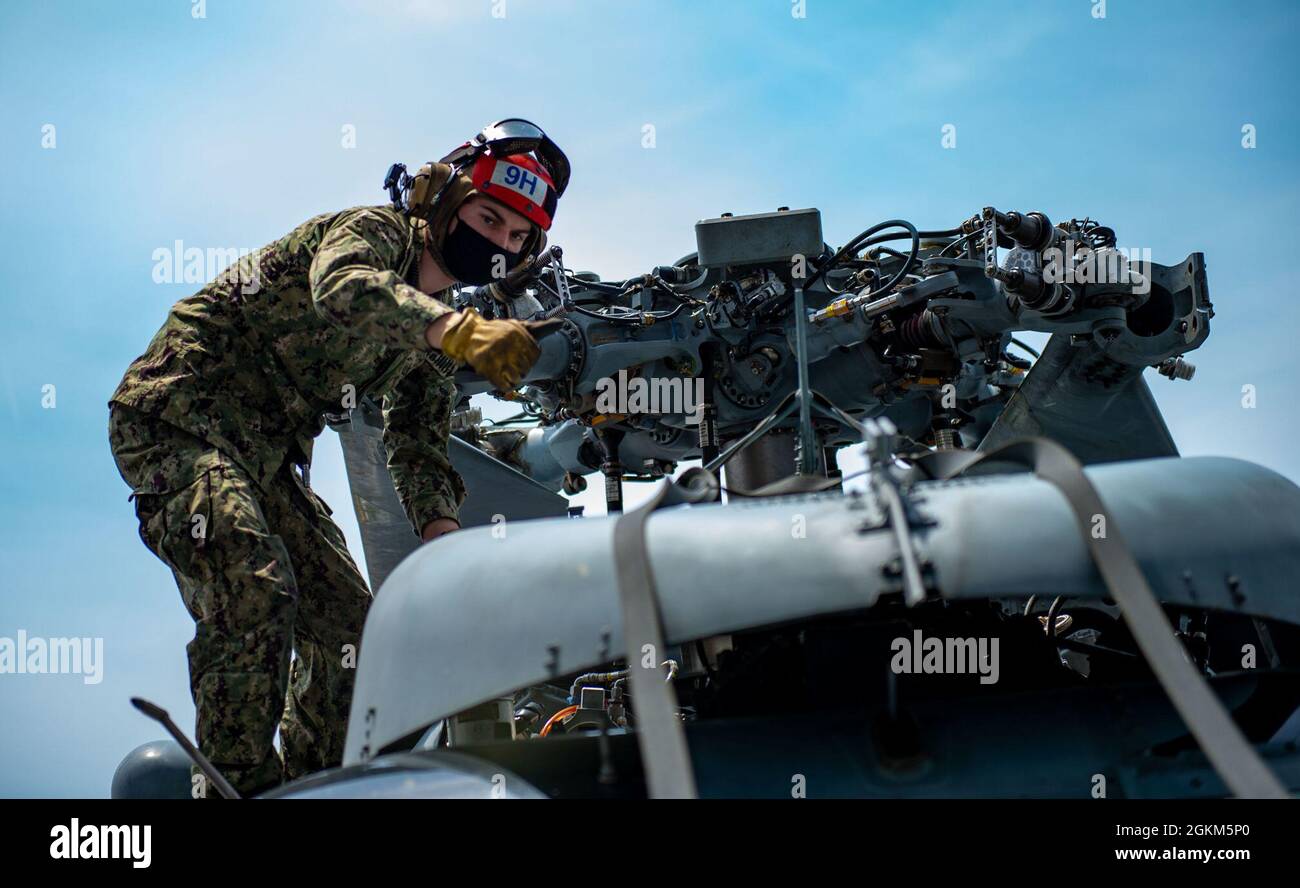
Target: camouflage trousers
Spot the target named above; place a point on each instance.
(263, 572)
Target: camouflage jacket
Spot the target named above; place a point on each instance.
(307, 326)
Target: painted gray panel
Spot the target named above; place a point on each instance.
(471, 616)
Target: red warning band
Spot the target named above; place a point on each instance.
(520, 183)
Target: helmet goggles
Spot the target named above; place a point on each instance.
(511, 136)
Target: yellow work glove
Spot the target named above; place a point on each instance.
(503, 351)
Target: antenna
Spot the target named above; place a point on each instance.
(158, 714)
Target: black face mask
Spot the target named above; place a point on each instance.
(471, 257)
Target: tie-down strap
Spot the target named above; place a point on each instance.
(1232, 756)
(665, 758)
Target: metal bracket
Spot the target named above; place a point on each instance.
(888, 489)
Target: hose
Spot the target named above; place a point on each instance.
(550, 722)
(858, 242)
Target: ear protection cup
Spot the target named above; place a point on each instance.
(437, 191)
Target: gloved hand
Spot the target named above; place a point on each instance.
(503, 351)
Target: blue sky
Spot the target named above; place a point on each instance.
(226, 131)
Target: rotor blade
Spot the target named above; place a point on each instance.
(493, 488)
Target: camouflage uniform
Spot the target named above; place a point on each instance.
(206, 427)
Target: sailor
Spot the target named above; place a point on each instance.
(208, 426)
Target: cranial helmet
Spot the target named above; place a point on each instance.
(511, 161)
